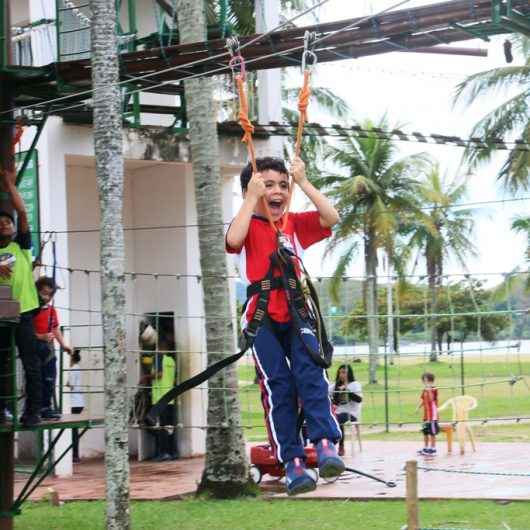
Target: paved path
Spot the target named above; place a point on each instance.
(386, 460)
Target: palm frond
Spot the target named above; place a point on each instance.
(515, 172)
(508, 118)
(491, 82)
(339, 273)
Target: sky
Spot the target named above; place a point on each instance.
(416, 91)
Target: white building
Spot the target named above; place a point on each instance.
(159, 193)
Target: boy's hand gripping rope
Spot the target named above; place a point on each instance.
(309, 60)
(237, 65)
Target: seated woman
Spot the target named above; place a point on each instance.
(346, 394)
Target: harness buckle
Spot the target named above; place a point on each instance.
(284, 243)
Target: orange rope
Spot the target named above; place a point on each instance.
(248, 129)
(303, 103)
(244, 121)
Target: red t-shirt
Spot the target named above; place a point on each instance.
(41, 320)
(429, 398)
(303, 230)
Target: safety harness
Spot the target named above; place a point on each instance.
(301, 295)
(305, 315)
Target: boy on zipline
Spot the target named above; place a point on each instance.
(285, 369)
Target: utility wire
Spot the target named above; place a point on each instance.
(196, 225)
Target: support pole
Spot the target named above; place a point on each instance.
(387, 413)
(6, 99)
(7, 439)
(7, 483)
(413, 522)
(462, 376)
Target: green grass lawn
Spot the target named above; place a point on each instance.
(490, 381)
(260, 514)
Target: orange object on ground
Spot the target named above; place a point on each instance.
(461, 405)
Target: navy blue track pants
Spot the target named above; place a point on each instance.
(289, 377)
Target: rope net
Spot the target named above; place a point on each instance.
(495, 372)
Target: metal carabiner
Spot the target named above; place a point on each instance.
(306, 65)
(233, 46)
(309, 57)
(236, 63)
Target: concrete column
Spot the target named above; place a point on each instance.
(269, 81)
(53, 217)
(192, 404)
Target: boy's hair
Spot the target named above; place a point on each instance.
(46, 281)
(10, 216)
(76, 355)
(262, 164)
(349, 372)
(427, 376)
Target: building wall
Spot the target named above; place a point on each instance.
(158, 193)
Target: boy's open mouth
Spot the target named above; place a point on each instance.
(276, 207)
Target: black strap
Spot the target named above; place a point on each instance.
(264, 285)
(249, 335)
(301, 313)
(151, 418)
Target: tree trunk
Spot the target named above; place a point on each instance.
(431, 275)
(370, 258)
(109, 173)
(226, 472)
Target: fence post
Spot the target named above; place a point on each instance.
(412, 495)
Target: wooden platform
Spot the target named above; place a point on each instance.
(67, 421)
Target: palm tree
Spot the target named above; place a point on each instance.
(510, 118)
(375, 190)
(109, 174)
(521, 224)
(446, 233)
(226, 471)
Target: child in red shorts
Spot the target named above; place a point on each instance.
(429, 403)
(46, 324)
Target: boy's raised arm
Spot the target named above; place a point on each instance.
(237, 233)
(328, 215)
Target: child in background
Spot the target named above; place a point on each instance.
(46, 324)
(347, 396)
(429, 403)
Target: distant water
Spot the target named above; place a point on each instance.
(499, 348)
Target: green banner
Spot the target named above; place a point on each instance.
(28, 188)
